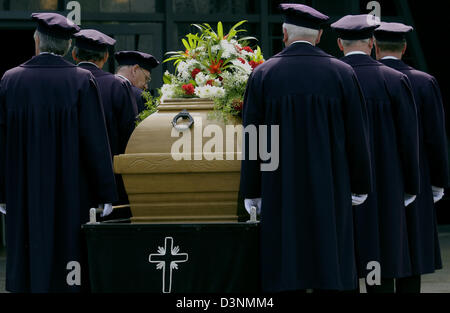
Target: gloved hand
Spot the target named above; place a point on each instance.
(3, 208)
(249, 203)
(409, 199)
(358, 199)
(107, 209)
(438, 193)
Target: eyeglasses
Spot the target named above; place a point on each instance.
(148, 78)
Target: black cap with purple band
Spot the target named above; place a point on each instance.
(144, 60)
(302, 15)
(55, 25)
(94, 40)
(392, 32)
(356, 27)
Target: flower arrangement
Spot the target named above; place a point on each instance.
(214, 65)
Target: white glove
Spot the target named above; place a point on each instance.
(438, 193)
(409, 199)
(249, 203)
(107, 209)
(358, 199)
(3, 208)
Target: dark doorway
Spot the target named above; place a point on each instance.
(431, 39)
(17, 48)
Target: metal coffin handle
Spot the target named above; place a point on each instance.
(185, 116)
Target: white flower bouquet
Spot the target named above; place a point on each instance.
(214, 66)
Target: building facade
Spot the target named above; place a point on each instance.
(156, 26)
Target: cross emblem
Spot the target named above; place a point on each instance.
(167, 260)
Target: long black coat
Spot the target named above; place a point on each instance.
(137, 92)
(307, 220)
(434, 169)
(140, 101)
(380, 222)
(55, 166)
(120, 114)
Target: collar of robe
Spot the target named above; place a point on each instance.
(360, 58)
(124, 78)
(46, 59)
(302, 41)
(94, 69)
(356, 52)
(88, 63)
(302, 49)
(396, 63)
(51, 53)
(390, 57)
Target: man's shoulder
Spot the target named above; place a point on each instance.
(409, 71)
(107, 76)
(57, 65)
(421, 76)
(391, 72)
(21, 70)
(47, 76)
(339, 65)
(9, 74)
(321, 60)
(81, 72)
(317, 55)
(136, 89)
(115, 81)
(81, 76)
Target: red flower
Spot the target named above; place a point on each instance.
(189, 89)
(220, 78)
(214, 68)
(248, 49)
(210, 82)
(255, 64)
(195, 72)
(238, 105)
(242, 60)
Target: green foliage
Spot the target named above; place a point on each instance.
(151, 104)
(227, 106)
(207, 35)
(259, 55)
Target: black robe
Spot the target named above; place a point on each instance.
(434, 169)
(120, 115)
(55, 166)
(380, 222)
(307, 220)
(140, 101)
(137, 93)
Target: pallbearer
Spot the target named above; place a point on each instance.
(380, 222)
(91, 53)
(55, 163)
(306, 217)
(433, 154)
(136, 67)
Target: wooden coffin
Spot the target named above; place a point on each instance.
(162, 188)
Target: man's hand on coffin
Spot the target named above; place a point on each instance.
(409, 199)
(107, 209)
(358, 199)
(249, 203)
(438, 193)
